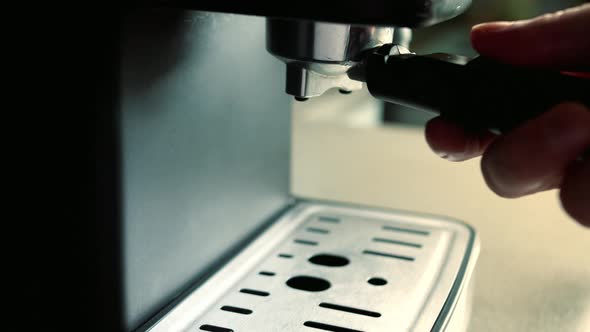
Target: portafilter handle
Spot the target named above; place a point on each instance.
(478, 93)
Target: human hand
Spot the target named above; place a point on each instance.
(544, 153)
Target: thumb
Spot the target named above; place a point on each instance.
(558, 40)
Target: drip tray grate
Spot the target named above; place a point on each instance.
(339, 268)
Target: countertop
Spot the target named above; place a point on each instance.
(533, 273)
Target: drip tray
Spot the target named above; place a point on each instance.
(324, 267)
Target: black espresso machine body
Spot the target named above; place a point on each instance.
(191, 153)
(204, 147)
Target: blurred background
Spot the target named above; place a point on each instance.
(534, 267)
(453, 37)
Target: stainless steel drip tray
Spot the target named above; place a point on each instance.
(339, 268)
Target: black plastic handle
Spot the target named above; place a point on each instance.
(479, 93)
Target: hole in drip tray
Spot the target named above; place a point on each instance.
(329, 260)
(310, 284)
(306, 242)
(236, 310)
(254, 292)
(328, 327)
(377, 281)
(350, 309)
(317, 230)
(213, 328)
(329, 219)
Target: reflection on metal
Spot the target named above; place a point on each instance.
(319, 54)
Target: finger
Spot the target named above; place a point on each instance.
(575, 192)
(534, 157)
(557, 40)
(452, 142)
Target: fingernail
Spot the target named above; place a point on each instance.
(538, 186)
(456, 157)
(492, 27)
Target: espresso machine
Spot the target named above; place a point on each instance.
(196, 229)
